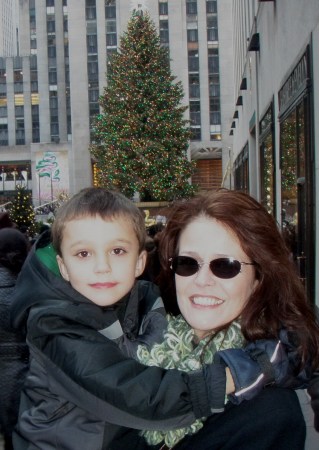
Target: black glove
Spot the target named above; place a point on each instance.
(259, 364)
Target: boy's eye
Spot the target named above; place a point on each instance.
(83, 254)
(118, 251)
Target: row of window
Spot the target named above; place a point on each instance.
(111, 41)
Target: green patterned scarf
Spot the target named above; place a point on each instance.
(178, 351)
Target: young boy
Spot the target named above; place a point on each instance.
(83, 391)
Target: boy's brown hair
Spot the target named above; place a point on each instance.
(97, 201)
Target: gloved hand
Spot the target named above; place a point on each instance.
(259, 364)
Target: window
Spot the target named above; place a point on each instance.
(93, 95)
(110, 9)
(213, 60)
(212, 28)
(214, 90)
(3, 134)
(90, 10)
(194, 110)
(19, 111)
(51, 47)
(53, 104)
(51, 25)
(18, 75)
(192, 35)
(214, 104)
(163, 8)
(195, 134)
(54, 129)
(164, 35)
(33, 44)
(35, 112)
(94, 109)
(214, 108)
(93, 70)
(91, 43)
(35, 124)
(191, 7)
(3, 76)
(211, 6)
(52, 52)
(65, 25)
(194, 91)
(193, 62)
(53, 76)
(34, 86)
(20, 136)
(214, 118)
(241, 173)
(111, 38)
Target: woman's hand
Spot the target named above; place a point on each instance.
(259, 364)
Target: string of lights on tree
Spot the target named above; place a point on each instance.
(22, 212)
(141, 137)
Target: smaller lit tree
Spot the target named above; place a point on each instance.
(22, 212)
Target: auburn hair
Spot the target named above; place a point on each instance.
(279, 301)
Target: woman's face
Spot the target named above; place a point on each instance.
(206, 301)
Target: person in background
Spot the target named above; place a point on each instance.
(5, 221)
(229, 280)
(13, 348)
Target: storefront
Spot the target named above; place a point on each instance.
(297, 168)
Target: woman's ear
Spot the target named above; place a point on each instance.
(62, 268)
(140, 263)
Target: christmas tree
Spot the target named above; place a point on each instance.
(141, 137)
(21, 211)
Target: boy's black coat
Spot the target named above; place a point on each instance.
(81, 386)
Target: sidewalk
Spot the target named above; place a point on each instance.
(312, 439)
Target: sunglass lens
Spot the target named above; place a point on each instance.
(184, 266)
(225, 267)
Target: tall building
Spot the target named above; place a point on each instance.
(9, 24)
(49, 92)
(276, 110)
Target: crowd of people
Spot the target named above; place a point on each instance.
(193, 336)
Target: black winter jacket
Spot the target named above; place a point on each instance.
(82, 390)
(313, 391)
(14, 356)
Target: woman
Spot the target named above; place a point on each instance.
(226, 269)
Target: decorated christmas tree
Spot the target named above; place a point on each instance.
(21, 211)
(141, 137)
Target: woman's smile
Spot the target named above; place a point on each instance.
(199, 300)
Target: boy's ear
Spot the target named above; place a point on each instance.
(140, 264)
(62, 268)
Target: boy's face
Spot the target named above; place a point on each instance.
(101, 258)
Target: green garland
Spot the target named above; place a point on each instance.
(178, 351)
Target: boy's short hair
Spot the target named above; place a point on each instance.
(97, 201)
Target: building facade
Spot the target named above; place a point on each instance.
(276, 108)
(49, 91)
(9, 24)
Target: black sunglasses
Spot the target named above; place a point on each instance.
(225, 268)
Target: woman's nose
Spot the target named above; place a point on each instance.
(204, 275)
